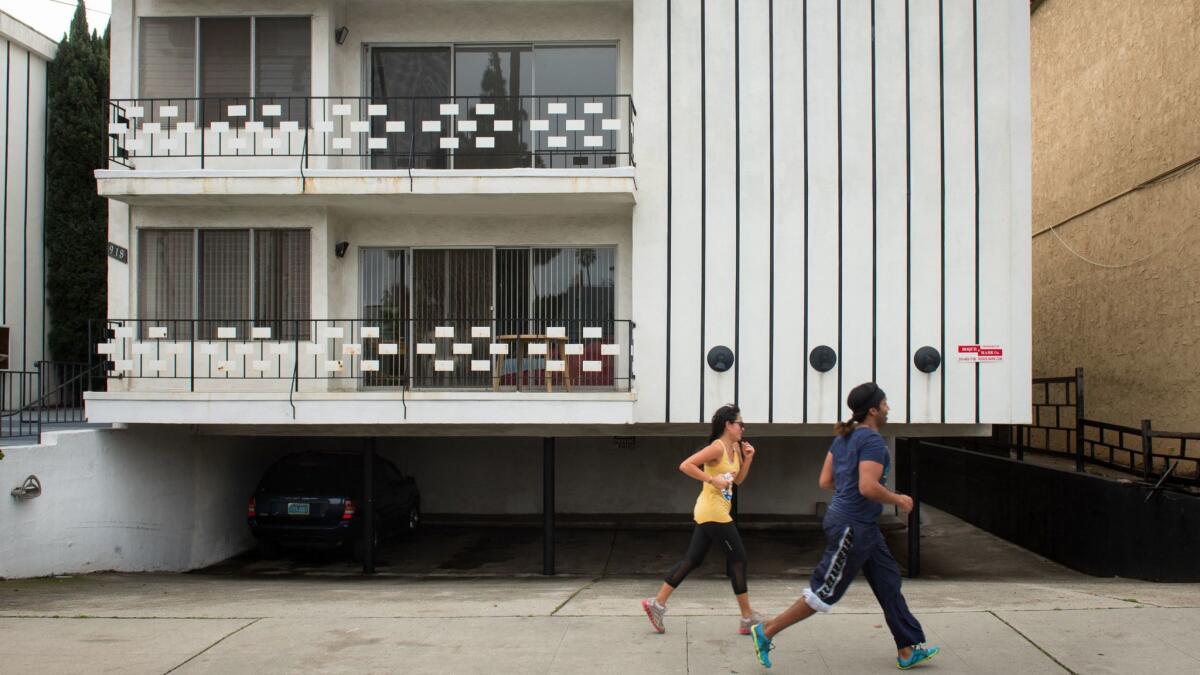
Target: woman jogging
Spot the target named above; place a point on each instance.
(856, 469)
(723, 464)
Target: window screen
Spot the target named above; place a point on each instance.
(167, 57)
(225, 58)
(283, 64)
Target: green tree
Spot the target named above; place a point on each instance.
(76, 217)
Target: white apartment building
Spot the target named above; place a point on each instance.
(475, 213)
(24, 54)
(465, 228)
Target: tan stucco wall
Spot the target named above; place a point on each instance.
(1115, 95)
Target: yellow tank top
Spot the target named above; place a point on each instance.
(711, 505)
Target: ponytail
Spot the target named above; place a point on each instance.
(845, 428)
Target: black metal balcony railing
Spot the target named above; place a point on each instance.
(452, 132)
(487, 354)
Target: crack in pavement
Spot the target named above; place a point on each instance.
(219, 641)
(1035, 645)
(572, 596)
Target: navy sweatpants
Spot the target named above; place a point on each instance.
(853, 547)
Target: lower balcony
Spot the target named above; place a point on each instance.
(457, 372)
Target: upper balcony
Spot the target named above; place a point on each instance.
(335, 150)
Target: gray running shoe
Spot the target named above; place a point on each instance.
(747, 622)
(656, 613)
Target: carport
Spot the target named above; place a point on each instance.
(369, 452)
(906, 470)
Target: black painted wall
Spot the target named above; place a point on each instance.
(1095, 525)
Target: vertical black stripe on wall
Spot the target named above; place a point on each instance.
(874, 217)
(975, 67)
(841, 264)
(804, 356)
(45, 149)
(703, 203)
(25, 225)
(771, 216)
(737, 209)
(908, 366)
(667, 413)
(4, 229)
(942, 148)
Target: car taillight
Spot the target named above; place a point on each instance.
(252, 509)
(348, 510)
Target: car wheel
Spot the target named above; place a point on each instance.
(412, 521)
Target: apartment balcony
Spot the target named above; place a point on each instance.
(448, 152)
(387, 371)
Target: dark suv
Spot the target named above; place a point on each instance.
(314, 500)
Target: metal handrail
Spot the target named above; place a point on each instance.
(384, 353)
(434, 132)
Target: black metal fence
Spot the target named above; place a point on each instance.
(449, 132)
(50, 395)
(19, 389)
(1061, 428)
(472, 354)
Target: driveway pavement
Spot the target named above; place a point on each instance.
(991, 606)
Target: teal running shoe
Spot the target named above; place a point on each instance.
(762, 645)
(919, 655)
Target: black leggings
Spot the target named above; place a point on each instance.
(726, 535)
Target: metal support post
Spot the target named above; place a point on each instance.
(548, 506)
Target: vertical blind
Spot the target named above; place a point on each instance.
(282, 282)
(279, 290)
(529, 285)
(166, 278)
(224, 278)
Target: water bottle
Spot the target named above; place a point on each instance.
(727, 492)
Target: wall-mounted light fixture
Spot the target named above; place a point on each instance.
(340, 248)
(720, 358)
(927, 359)
(822, 358)
(341, 34)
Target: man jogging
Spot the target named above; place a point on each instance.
(855, 469)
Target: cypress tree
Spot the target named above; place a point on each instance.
(76, 217)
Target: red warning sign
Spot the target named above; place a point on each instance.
(980, 353)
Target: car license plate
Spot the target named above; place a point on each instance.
(297, 509)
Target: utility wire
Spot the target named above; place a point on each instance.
(1167, 175)
(75, 4)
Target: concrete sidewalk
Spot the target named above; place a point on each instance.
(192, 623)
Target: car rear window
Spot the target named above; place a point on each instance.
(309, 475)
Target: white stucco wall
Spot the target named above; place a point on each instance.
(819, 215)
(127, 501)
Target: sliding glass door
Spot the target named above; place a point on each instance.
(522, 81)
(385, 303)
(410, 80)
(520, 294)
